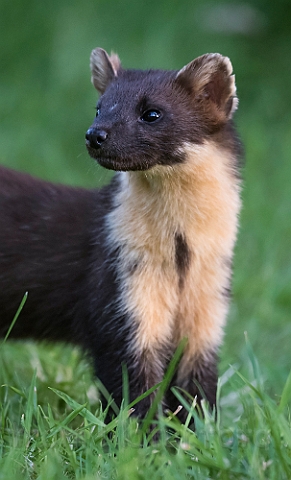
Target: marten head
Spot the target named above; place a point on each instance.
(144, 118)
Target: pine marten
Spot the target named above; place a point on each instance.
(130, 270)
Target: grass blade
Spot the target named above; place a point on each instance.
(22, 303)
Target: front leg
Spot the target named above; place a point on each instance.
(146, 371)
(145, 367)
(131, 324)
(149, 299)
(198, 377)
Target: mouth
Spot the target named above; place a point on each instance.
(115, 163)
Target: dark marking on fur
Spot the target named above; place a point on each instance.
(226, 293)
(136, 264)
(182, 258)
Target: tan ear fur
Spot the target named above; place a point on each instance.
(104, 68)
(209, 78)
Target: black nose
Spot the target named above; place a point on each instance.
(95, 137)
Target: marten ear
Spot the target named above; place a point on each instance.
(103, 68)
(210, 81)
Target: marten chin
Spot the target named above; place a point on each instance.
(132, 269)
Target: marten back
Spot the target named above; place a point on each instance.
(46, 239)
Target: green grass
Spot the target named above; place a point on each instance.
(55, 433)
(46, 105)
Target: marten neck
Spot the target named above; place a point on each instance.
(196, 198)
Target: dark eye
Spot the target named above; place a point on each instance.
(151, 116)
(97, 111)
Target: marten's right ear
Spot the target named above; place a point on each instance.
(103, 68)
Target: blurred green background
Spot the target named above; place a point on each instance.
(47, 103)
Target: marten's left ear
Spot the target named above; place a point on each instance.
(104, 68)
(210, 81)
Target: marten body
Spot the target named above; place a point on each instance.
(130, 270)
